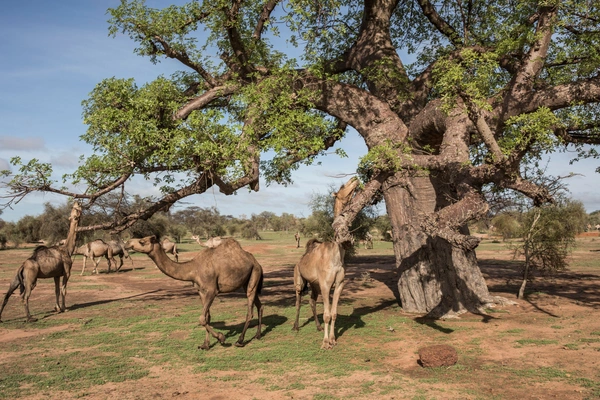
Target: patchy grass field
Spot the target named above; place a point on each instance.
(134, 335)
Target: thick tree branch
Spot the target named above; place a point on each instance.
(587, 134)
(263, 18)
(440, 24)
(531, 66)
(204, 99)
(185, 60)
(374, 52)
(235, 39)
(376, 122)
(561, 96)
(447, 222)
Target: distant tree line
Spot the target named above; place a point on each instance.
(51, 225)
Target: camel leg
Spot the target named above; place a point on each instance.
(325, 289)
(95, 271)
(120, 264)
(336, 298)
(314, 295)
(249, 316)
(63, 290)
(298, 285)
(83, 269)
(207, 299)
(57, 291)
(108, 260)
(13, 286)
(259, 311)
(29, 283)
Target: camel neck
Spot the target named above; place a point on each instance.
(181, 271)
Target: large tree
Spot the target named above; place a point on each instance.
(451, 97)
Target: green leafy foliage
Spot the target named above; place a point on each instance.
(531, 130)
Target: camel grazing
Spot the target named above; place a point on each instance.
(170, 247)
(210, 243)
(322, 267)
(47, 262)
(222, 269)
(118, 249)
(95, 250)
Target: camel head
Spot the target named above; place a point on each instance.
(143, 245)
(80, 250)
(343, 196)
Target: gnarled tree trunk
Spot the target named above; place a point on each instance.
(435, 277)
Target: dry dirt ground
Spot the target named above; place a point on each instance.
(563, 311)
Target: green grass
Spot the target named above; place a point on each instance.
(121, 340)
(536, 342)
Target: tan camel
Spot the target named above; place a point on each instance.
(223, 269)
(210, 243)
(47, 262)
(170, 247)
(322, 267)
(95, 250)
(118, 249)
(297, 238)
(367, 242)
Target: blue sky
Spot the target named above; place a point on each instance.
(55, 52)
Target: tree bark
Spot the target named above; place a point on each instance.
(435, 277)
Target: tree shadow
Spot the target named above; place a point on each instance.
(506, 277)
(108, 301)
(41, 315)
(380, 268)
(355, 321)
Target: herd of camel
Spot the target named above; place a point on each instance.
(222, 267)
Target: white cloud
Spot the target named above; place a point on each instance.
(21, 144)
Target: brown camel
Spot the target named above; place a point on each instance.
(222, 269)
(118, 249)
(210, 243)
(95, 250)
(322, 267)
(170, 247)
(47, 262)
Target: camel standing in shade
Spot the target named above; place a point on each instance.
(47, 262)
(95, 250)
(322, 267)
(222, 269)
(170, 247)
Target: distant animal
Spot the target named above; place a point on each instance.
(222, 269)
(118, 249)
(367, 241)
(297, 239)
(170, 247)
(211, 243)
(46, 262)
(322, 267)
(95, 250)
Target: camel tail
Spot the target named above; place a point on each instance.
(260, 285)
(304, 288)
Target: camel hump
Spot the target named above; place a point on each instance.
(312, 244)
(37, 250)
